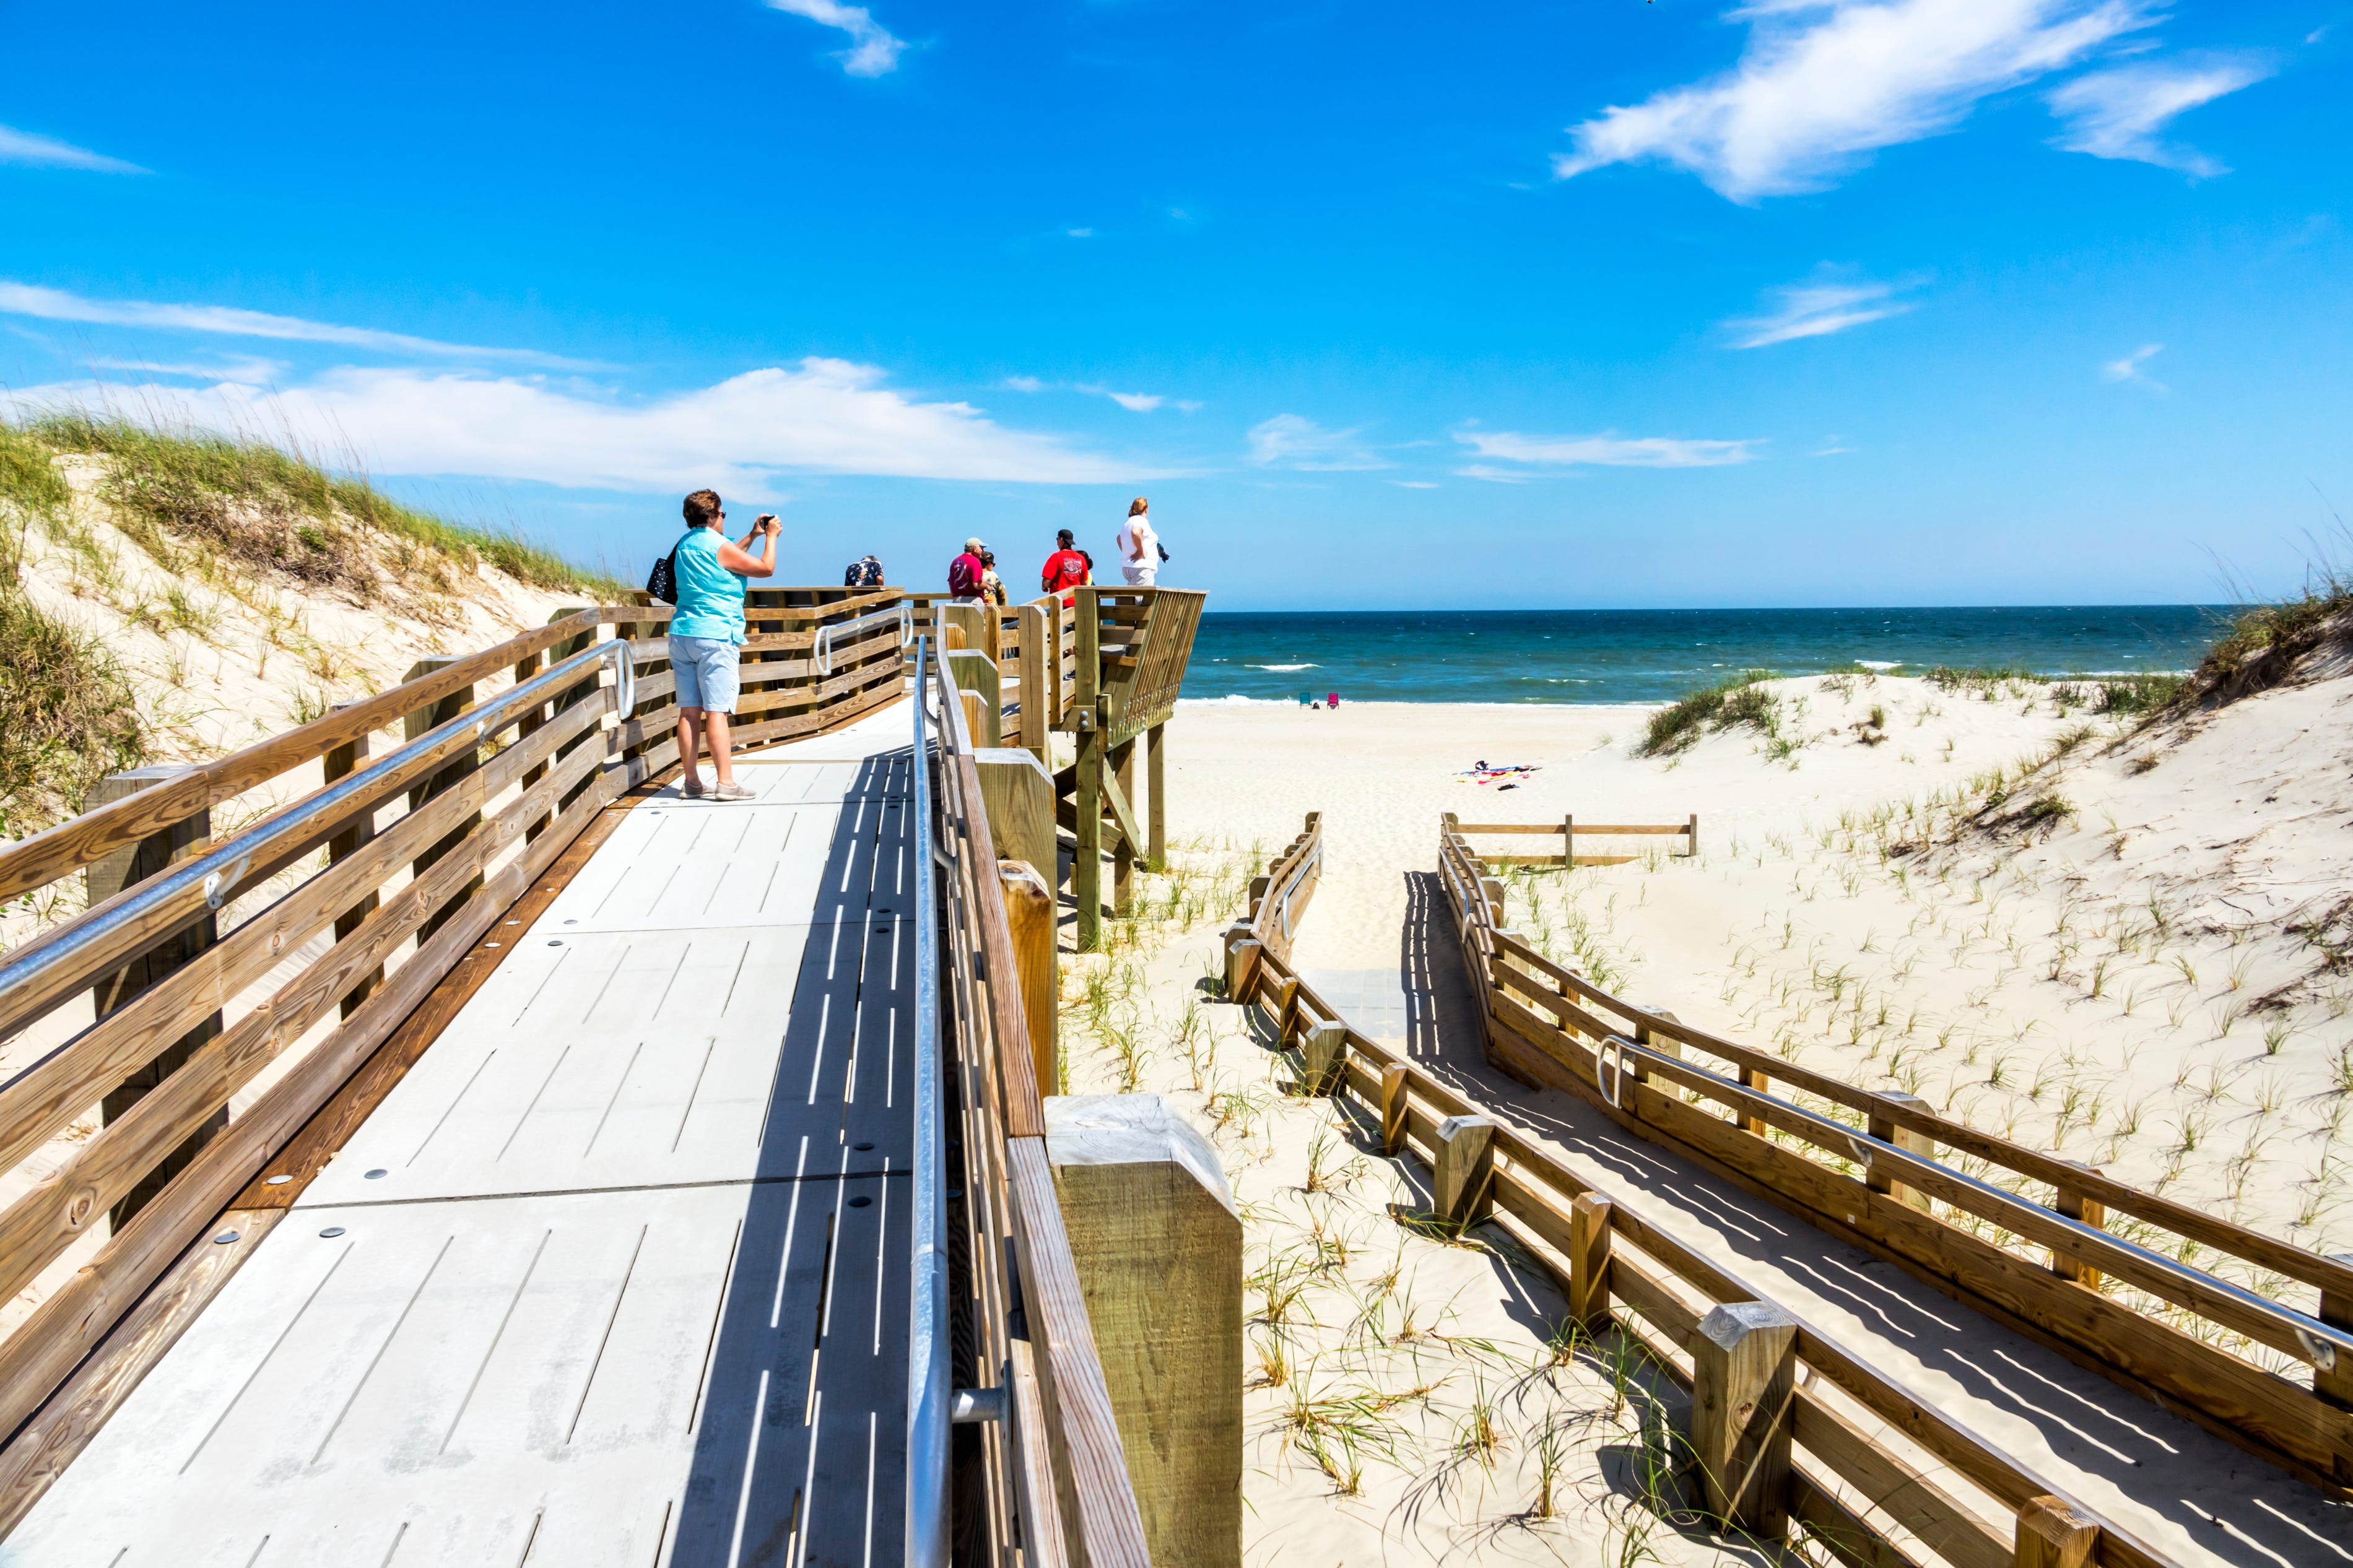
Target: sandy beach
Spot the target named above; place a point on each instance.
(2116, 943)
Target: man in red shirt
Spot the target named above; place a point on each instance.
(965, 575)
(1067, 567)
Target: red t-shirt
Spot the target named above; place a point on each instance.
(1065, 569)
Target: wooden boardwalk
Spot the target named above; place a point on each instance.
(618, 1272)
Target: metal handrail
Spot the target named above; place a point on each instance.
(216, 876)
(928, 1412)
(822, 650)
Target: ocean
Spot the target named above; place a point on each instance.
(1656, 656)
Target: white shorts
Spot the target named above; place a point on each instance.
(1141, 576)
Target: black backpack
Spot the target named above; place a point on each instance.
(662, 581)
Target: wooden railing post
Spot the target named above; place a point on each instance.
(1017, 793)
(1691, 837)
(1086, 863)
(1568, 842)
(2054, 1533)
(1665, 1044)
(2076, 1206)
(1744, 1393)
(970, 670)
(1242, 951)
(342, 762)
(1589, 1263)
(1904, 1138)
(1029, 915)
(1036, 689)
(1324, 1058)
(189, 837)
(2335, 1383)
(1158, 1247)
(421, 721)
(1462, 1178)
(1395, 1108)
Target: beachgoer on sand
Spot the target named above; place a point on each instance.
(706, 635)
(1069, 567)
(967, 574)
(1139, 547)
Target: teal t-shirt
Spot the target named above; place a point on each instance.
(709, 597)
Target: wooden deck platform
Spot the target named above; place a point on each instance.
(618, 1274)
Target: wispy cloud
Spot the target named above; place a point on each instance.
(2129, 368)
(48, 153)
(873, 50)
(821, 416)
(2118, 113)
(247, 370)
(1139, 402)
(1817, 310)
(1824, 83)
(56, 305)
(1294, 441)
(1608, 450)
(1080, 233)
(1022, 383)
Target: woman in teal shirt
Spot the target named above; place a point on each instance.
(707, 633)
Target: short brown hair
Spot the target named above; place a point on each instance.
(702, 509)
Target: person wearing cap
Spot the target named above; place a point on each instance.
(1069, 567)
(967, 574)
(992, 586)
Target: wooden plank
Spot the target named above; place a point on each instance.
(331, 1126)
(40, 1454)
(1913, 1499)
(1839, 1530)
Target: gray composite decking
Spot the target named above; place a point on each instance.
(618, 1274)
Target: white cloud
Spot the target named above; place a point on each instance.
(2129, 367)
(56, 305)
(1817, 310)
(1415, 484)
(48, 153)
(1293, 441)
(1023, 384)
(2118, 113)
(246, 369)
(1605, 450)
(1139, 402)
(822, 416)
(1824, 83)
(873, 50)
(1080, 233)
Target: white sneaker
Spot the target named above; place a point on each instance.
(734, 792)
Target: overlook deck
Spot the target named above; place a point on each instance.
(618, 1272)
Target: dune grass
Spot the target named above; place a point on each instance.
(195, 500)
(1735, 701)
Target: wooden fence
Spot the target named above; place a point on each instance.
(1792, 1435)
(1567, 829)
(2078, 1270)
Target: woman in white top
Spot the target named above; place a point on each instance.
(1139, 547)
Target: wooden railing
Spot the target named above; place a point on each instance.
(2079, 1270)
(1055, 1476)
(323, 926)
(1568, 829)
(1791, 1433)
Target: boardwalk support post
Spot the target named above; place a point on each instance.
(2054, 1534)
(2089, 1210)
(1463, 1181)
(1904, 1138)
(1589, 1263)
(1241, 966)
(1155, 831)
(1158, 1246)
(1324, 1058)
(127, 867)
(1018, 794)
(976, 672)
(1665, 1044)
(1744, 1406)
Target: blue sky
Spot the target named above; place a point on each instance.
(1595, 304)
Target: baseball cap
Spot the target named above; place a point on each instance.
(975, 545)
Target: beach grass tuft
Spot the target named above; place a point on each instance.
(1735, 701)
